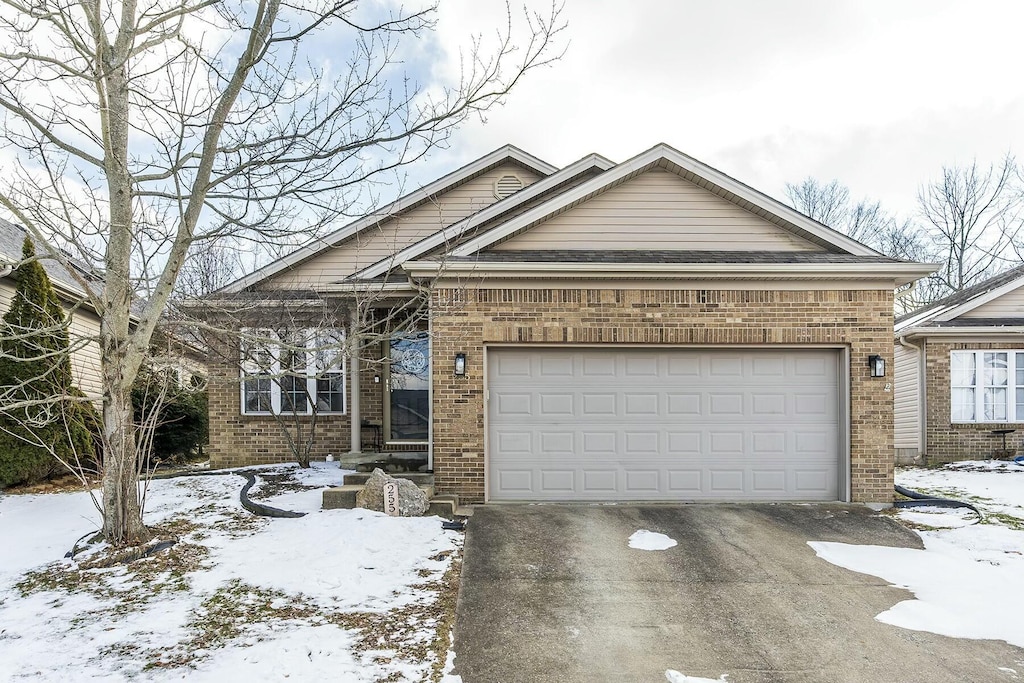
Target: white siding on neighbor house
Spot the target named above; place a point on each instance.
(1009, 305)
(658, 210)
(393, 234)
(83, 336)
(907, 398)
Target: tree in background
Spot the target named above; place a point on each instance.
(971, 220)
(143, 132)
(865, 220)
(45, 422)
(973, 217)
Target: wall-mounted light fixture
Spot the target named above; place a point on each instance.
(460, 365)
(877, 365)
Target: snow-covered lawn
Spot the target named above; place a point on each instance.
(341, 595)
(967, 580)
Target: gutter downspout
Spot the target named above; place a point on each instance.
(6, 270)
(922, 386)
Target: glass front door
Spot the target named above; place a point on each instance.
(408, 404)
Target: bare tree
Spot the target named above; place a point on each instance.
(829, 204)
(142, 129)
(973, 218)
(208, 269)
(864, 220)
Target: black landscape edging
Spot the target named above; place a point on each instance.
(259, 508)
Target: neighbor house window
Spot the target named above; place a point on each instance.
(986, 386)
(292, 371)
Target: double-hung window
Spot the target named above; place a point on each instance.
(294, 371)
(986, 386)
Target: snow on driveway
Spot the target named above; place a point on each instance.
(650, 540)
(346, 595)
(966, 582)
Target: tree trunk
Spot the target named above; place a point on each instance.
(122, 512)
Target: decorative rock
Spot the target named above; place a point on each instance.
(412, 502)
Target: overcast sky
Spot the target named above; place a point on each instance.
(879, 94)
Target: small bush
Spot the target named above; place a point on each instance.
(183, 425)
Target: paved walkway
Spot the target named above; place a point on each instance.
(553, 593)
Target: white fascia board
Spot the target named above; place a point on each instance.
(650, 158)
(916, 320)
(315, 246)
(367, 286)
(965, 331)
(985, 297)
(899, 273)
(456, 229)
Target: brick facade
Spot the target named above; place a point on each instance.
(945, 441)
(238, 440)
(465, 320)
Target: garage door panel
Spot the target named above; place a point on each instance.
(509, 403)
(686, 482)
(633, 424)
(552, 404)
(769, 482)
(600, 481)
(683, 404)
(599, 405)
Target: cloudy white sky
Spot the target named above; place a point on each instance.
(879, 94)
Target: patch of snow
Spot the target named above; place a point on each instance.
(38, 529)
(938, 517)
(449, 664)
(340, 560)
(650, 540)
(674, 676)
(965, 580)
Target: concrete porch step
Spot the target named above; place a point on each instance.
(344, 497)
(443, 505)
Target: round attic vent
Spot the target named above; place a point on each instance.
(507, 185)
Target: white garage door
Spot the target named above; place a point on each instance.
(659, 424)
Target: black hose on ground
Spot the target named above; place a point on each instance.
(919, 499)
(259, 508)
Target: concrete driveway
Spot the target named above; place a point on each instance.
(553, 593)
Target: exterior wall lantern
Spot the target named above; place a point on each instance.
(460, 365)
(877, 365)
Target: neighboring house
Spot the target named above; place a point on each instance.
(649, 330)
(83, 333)
(959, 373)
(171, 348)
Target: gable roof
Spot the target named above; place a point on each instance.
(963, 301)
(439, 186)
(460, 228)
(711, 179)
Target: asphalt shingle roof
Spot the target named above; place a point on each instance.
(12, 237)
(965, 295)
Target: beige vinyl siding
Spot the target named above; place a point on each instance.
(83, 336)
(1009, 305)
(907, 398)
(393, 234)
(85, 359)
(6, 294)
(658, 210)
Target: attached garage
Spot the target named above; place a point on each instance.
(643, 424)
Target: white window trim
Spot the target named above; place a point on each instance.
(311, 374)
(979, 386)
